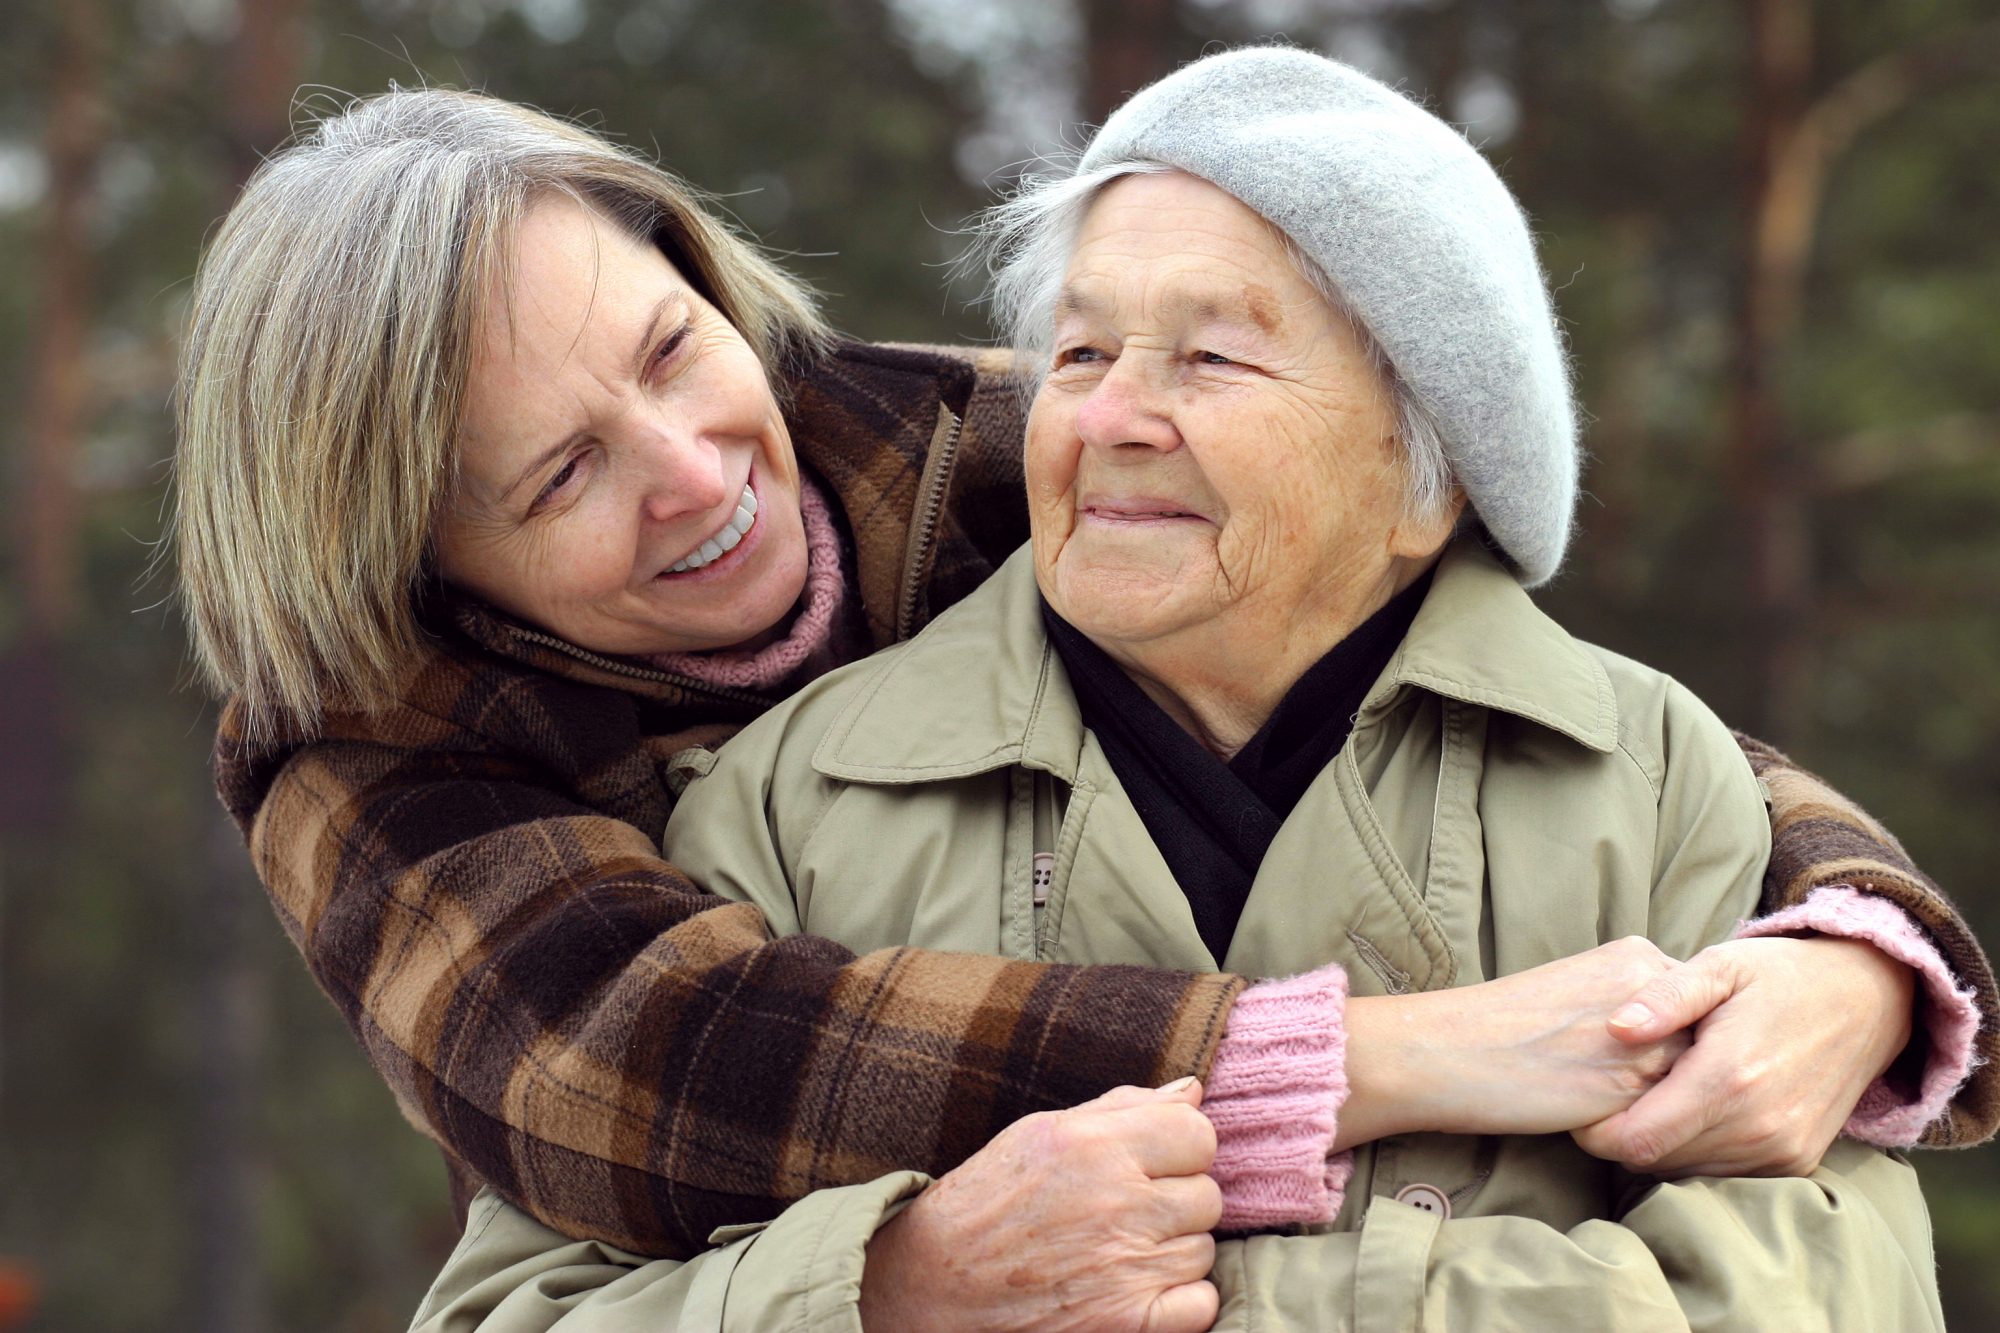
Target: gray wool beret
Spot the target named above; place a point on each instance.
(1428, 247)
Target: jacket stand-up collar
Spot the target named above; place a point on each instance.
(968, 698)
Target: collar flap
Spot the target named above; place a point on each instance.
(971, 694)
(1481, 639)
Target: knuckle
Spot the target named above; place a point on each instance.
(1642, 1147)
(1208, 1210)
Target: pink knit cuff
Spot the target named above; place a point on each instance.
(1274, 1097)
(1886, 1116)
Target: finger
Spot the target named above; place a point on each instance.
(1127, 1095)
(1186, 1205)
(1179, 1090)
(1174, 1139)
(1669, 1116)
(1604, 1139)
(1189, 1308)
(1680, 997)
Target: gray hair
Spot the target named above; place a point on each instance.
(1024, 244)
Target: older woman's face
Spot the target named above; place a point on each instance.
(616, 428)
(1212, 456)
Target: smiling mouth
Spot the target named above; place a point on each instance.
(1109, 514)
(724, 540)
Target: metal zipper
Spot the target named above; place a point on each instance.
(923, 527)
(612, 664)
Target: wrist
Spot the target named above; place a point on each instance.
(885, 1304)
(1389, 1049)
(1891, 991)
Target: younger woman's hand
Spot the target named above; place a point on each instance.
(1530, 1053)
(1789, 1032)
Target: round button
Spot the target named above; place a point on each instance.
(1427, 1197)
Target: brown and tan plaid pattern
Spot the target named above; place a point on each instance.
(472, 877)
(1820, 837)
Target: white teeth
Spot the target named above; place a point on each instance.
(726, 540)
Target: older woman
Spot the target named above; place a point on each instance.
(1246, 697)
(506, 475)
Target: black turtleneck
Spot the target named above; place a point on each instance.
(1213, 821)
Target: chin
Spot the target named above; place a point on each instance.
(1120, 609)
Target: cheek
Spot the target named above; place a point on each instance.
(584, 557)
(1052, 453)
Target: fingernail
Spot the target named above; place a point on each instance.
(1631, 1016)
(1176, 1085)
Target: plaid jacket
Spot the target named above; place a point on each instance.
(474, 879)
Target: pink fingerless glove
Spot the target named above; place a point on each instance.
(1274, 1097)
(1885, 1116)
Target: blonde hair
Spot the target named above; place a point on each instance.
(324, 372)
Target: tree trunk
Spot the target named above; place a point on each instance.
(1764, 469)
(59, 391)
(1128, 44)
(232, 989)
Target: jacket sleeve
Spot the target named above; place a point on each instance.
(1821, 839)
(626, 1056)
(1847, 1248)
(800, 1273)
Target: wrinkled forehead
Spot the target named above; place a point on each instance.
(1194, 299)
(1196, 254)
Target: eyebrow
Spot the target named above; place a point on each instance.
(1256, 306)
(639, 353)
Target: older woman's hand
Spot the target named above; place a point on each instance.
(1094, 1218)
(1788, 1034)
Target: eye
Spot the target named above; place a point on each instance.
(556, 483)
(1213, 359)
(1071, 356)
(668, 346)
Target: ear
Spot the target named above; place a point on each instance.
(1420, 538)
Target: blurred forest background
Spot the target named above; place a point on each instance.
(1774, 224)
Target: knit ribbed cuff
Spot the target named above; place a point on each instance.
(1274, 1097)
(1886, 1116)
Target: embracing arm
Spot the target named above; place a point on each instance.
(626, 1056)
(1822, 840)
(1801, 1040)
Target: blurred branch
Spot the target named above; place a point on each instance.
(1829, 127)
(1871, 609)
(1871, 458)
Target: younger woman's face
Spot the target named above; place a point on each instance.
(626, 481)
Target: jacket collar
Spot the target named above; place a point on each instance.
(1479, 638)
(980, 689)
(983, 689)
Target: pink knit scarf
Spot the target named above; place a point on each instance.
(826, 586)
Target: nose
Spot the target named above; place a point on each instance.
(1130, 405)
(679, 472)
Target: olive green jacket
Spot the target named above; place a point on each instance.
(1509, 796)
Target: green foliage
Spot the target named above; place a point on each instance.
(129, 928)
